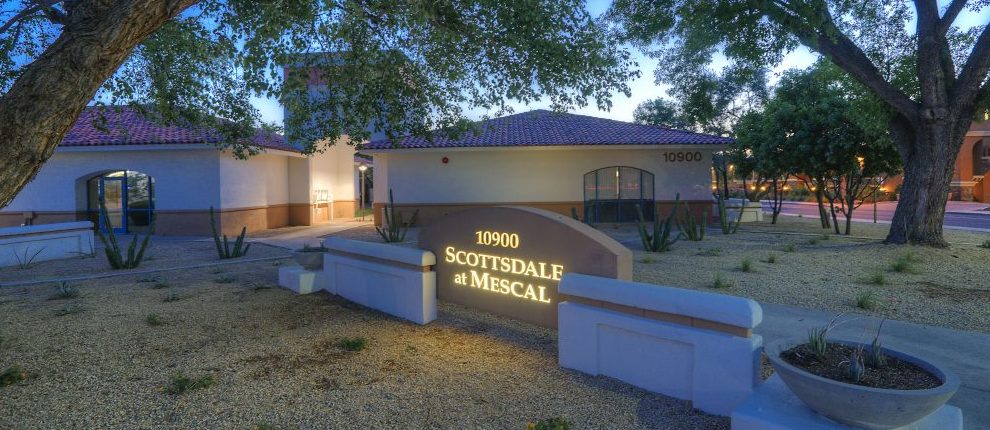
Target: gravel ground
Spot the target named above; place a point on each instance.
(161, 253)
(943, 287)
(275, 360)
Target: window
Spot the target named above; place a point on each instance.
(611, 194)
(128, 196)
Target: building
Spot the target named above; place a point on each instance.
(145, 170)
(597, 169)
(972, 165)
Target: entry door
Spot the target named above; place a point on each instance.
(113, 191)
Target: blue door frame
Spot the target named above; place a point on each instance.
(122, 228)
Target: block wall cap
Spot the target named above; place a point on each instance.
(384, 251)
(45, 228)
(731, 310)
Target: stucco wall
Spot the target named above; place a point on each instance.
(261, 180)
(527, 175)
(184, 178)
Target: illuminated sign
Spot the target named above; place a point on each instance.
(509, 259)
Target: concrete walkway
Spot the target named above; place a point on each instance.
(964, 352)
(293, 238)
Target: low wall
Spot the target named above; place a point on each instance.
(35, 243)
(431, 212)
(393, 279)
(687, 344)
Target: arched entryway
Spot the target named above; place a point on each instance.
(612, 193)
(129, 197)
(981, 158)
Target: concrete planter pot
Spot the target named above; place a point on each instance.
(866, 407)
(309, 260)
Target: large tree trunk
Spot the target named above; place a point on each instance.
(929, 154)
(52, 91)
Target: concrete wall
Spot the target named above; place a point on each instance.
(33, 244)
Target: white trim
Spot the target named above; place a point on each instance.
(706, 146)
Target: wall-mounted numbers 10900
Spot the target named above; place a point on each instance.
(682, 156)
(495, 238)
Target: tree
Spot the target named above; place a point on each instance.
(661, 112)
(931, 82)
(816, 128)
(391, 66)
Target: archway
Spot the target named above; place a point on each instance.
(129, 198)
(981, 158)
(611, 194)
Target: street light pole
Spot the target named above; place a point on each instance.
(361, 169)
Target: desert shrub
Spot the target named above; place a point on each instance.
(64, 291)
(720, 282)
(647, 260)
(555, 423)
(224, 250)
(25, 260)
(353, 344)
(790, 247)
(771, 258)
(746, 265)
(172, 296)
(658, 237)
(223, 279)
(13, 375)
(866, 300)
(69, 309)
(985, 244)
(710, 252)
(181, 384)
(154, 320)
(158, 285)
(905, 263)
(876, 278)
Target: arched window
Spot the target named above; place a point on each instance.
(611, 194)
(129, 197)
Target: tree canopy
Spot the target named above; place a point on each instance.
(394, 66)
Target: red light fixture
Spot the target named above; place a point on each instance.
(445, 160)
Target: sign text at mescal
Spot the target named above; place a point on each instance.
(503, 274)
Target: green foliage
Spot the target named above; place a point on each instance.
(172, 296)
(69, 309)
(224, 279)
(153, 320)
(720, 282)
(64, 291)
(393, 228)
(224, 250)
(662, 112)
(876, 278)
(555, 423)
(856, 366)
(771, 258)
(647, 260)
(710, 252)
(13, 375)
(728, 226)
(353, 344)
(985, 244)
(790, 247)
(905, 263)
(115, 255)
(26, 259)
(875, 357)
(660, 238)
(866, 300)
(181, 384)
(746, 265)
(693, 229)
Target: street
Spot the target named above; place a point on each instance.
(962, 215)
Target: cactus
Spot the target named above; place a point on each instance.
(224, 250)
(116, 257)
(728, 226)
(393, 228)
(660, 239)
(693, 229)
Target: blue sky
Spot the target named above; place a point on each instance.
(644, 88)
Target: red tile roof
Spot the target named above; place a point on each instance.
(546, 128)
(128, 127)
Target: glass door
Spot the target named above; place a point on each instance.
(113, 191)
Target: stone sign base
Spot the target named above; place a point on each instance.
(302, 281)
(774, 407)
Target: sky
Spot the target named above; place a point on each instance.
(643, 88)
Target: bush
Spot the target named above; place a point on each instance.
(790, 247)
(153, 320)
(905, 264)
(721, 283)
(13, 375)
(877, 278)
(985, 244)
(181, 384)
(866, 300)
(556, 423)
(69, 309)
(710, 252)
(771, 258)
(64, 291)
(225, 279)
(353, 344)
(747, 265)
(172, 296)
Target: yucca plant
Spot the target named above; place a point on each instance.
(393, 229)
(693, 229)
(661, 238)
(115, 255)
(224, 250)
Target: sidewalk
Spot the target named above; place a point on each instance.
(293, 238)
(967, 208)
(964, 352)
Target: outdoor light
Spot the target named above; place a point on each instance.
(362, 167)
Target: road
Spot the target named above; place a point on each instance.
(885, 211)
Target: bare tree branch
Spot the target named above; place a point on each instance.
(974, 73)
(950, 15)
